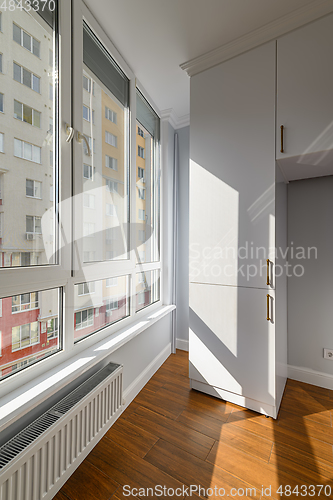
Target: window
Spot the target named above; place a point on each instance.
(86, 113)
(26, 114)
(33, 188)
(1, 103)
(111, 305)
(141, 152)
(111, 282)
(2, 142)
(111, 210)
(85, 149)
(112, 185)
(51, 158)
(140, 132)
(141, 193)
(87, 171)
(111, 162)
(87, 84)
(51, 58)
(110, 139)
(52, 328)
(86, 288)
(33, 224)
(27, 78)
(0, 63)
(27, 151)
(24, 302)
(147, 288)
(84, 318)
(110, 115)
(25, 40)
(24, 335)
(88, 200)
(141, 173)
(141, 214)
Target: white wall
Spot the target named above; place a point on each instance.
(310, 297)
(182, 313)
(148, 349)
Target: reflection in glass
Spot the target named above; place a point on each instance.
(100, 303)
(26, 178)
(29, 329)
(147, 288)
(105, 202)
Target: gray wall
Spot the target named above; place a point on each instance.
(310, 297)
(182, 313)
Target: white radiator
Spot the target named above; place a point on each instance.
(36, 462)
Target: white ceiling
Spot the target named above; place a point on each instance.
(156, 36)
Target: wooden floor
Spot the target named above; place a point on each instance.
(172, 436)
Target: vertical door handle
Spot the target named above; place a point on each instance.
(268, 300)
(282, 131)
(268, 278)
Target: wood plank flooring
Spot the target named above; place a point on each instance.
(174, 437)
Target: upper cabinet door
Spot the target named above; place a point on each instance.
(304, 90)
(232, 173)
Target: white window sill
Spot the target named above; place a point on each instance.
(19, 402)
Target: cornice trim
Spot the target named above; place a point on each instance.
(270, 31)
(176, 122)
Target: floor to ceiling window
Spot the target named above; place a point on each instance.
(79, 187)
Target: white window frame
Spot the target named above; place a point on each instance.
(110, 115)
(71, 269)
(25, 144)
(34, 189)
(31, 81)
(31, 343)
(22, 31)
(33, 111)
(111, 139)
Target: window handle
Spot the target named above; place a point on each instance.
(69, 132)
(80, 137)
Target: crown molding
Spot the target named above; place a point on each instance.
(270, 31)
(176, 122)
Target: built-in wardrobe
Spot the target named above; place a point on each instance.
(258, 121)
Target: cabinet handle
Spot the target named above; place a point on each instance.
(268, 299)
(282, 130)
(268, 280)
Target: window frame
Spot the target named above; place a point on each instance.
(69, 271)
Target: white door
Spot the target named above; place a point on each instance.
(232, 170)
(304, 87)
(232, 344)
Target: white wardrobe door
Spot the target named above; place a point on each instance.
(232, 344)
(232, 170)
(304, 87)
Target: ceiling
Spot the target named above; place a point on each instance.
(156, 36)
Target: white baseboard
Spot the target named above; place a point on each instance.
(135, 387)
(182, 344)
(309, 376)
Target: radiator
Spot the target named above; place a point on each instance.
(37, 461)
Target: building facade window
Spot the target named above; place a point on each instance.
(141, 173)
(141, 214)
(87, 171)
(2, 142)
(140, 132)
(27, 114)
(24, 335)
(52, 328)
(111, 139)
(141, 192)
(88, 200)
(26, 77)
(25, 302)
(84, 318)
(25, 40)
(86, 288)
(2, 100)
(33, 189)
(27, 151)
(111, 210)
(33, 224)
(141, 152)
(110, 115)
(111, 162)
(111, 185)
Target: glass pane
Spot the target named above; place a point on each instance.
(101, 306)
(24, 329)
(147, 289)
(17, 110)
(28, 227)
(107, 168)
(26, 41)
(147, 198)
